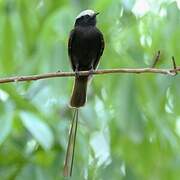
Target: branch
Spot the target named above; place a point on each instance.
(174, 65)
(172, 72)
(156, 59)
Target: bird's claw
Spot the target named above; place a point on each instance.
(76, 73)
(91, 71)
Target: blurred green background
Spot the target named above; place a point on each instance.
(130, 126)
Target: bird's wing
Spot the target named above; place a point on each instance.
(101, 49)
(70, 42)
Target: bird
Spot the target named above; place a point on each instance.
(85, 48)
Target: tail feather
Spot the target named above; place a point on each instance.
(78, 97)
(68, 165)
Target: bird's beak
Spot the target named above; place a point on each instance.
(97, 13)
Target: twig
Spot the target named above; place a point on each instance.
(156, 59)
(85, 73)
(174, 65)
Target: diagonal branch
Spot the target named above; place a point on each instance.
(156, 59)
(174, 65)
(171, 72)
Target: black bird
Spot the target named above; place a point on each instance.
(85, 47)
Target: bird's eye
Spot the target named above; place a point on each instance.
(86, 16)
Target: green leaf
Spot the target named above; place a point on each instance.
(39, 130)
(5, 126)
(30, 171)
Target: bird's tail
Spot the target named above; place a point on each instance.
(78, 97)
(68, 165)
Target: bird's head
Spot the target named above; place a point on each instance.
(86, 18)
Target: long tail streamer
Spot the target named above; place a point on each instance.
(68, 165)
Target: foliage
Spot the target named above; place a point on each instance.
(130, 127)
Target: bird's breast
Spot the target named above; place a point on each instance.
(86, 46)
(86, 34)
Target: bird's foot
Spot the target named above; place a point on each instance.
(91, 71)
(76, 73)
